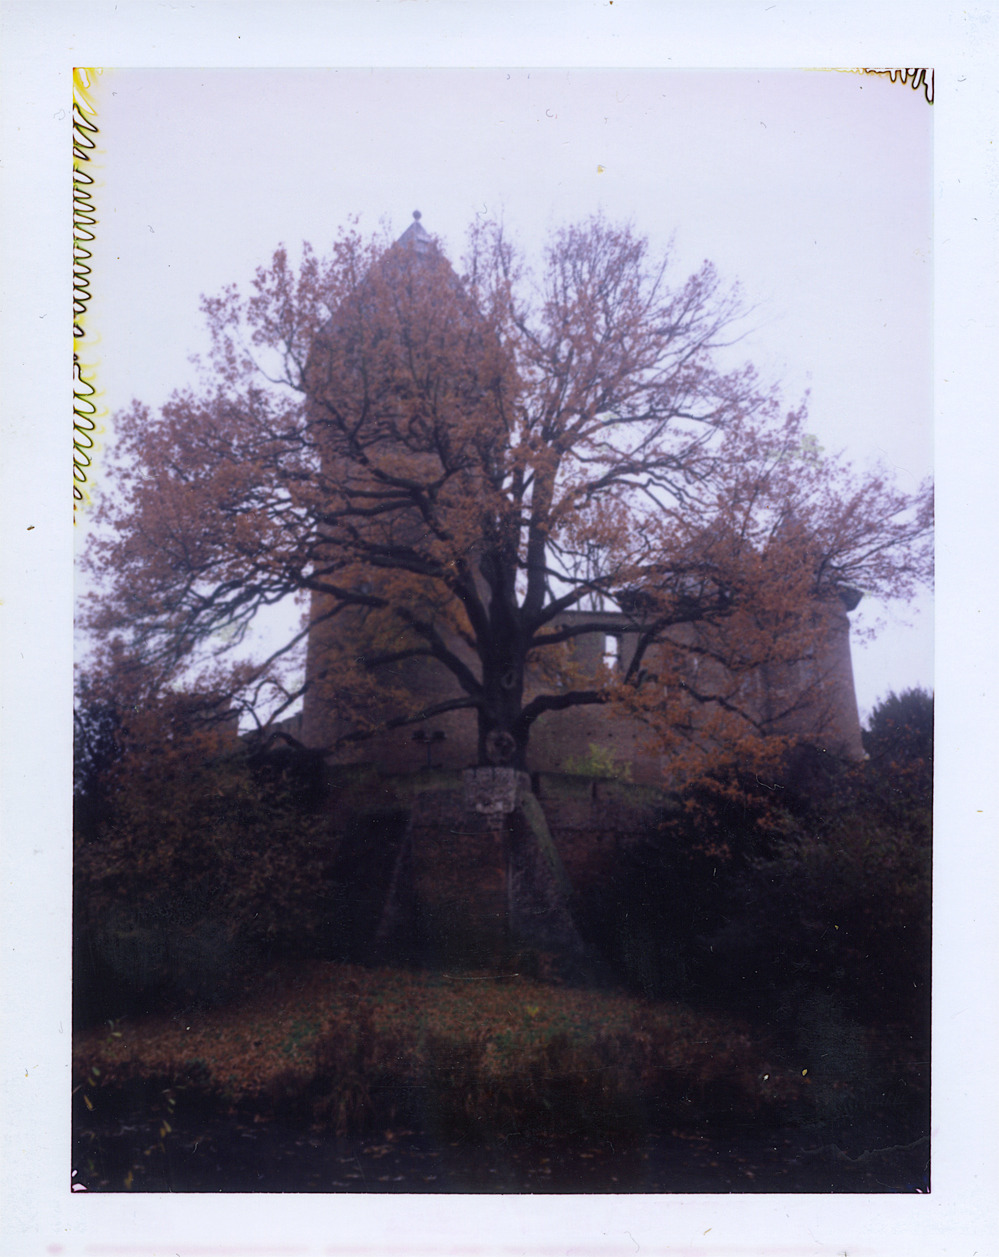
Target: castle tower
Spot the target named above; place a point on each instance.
(379, 429)
(409, 311)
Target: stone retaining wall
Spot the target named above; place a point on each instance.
(471, 887)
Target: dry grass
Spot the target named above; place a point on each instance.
(333, 1039)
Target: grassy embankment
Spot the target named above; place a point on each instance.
(344, 1048)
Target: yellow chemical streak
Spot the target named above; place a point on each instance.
(85, 394)
(83, 82)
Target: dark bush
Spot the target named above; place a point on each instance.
(194, 865)
(802, 902)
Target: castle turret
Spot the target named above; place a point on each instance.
(395, 380)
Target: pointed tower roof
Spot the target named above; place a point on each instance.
(416, 236)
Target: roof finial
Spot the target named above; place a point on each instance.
(416, 235)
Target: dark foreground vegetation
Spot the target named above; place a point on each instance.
(759, 1020)
(335, 1078)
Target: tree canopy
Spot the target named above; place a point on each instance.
(464, 471)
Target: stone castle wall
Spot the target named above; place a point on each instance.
(815, 697)
(471, 888)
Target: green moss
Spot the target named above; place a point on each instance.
(565, 786)
(631, 796)
(365, 788)
(428, 781)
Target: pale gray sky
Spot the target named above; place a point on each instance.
(811, 189)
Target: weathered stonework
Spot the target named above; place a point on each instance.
(492, 890)
(825, 708)
(493, 791)
(477, 886)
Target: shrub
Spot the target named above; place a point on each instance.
(199, 864)
(600, 761)
(802, 901)
(836, 913)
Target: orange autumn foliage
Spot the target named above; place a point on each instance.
(459, 472)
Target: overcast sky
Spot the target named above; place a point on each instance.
(811, 189)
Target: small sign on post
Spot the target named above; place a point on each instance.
(493, 791)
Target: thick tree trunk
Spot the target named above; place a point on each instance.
(502, 738)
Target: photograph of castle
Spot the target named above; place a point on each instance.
(502, 765)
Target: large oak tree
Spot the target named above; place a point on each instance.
(446, 466)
